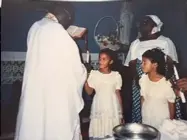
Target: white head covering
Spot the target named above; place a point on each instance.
(158, 22)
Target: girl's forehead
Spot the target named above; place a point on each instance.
(145, 58)
(103, 55)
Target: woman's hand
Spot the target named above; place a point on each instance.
(171, 107)
(182, 85)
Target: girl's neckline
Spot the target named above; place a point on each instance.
(104, 73)
(155, 81)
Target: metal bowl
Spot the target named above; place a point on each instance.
(136, 131)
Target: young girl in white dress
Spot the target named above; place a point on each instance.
(106, 110)
(157, 95)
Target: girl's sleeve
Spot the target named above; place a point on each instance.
(170, 94)
(118, 81)
(91, 79)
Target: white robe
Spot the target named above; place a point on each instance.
(52, 85)
(138, 47)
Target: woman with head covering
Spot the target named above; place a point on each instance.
(150, 30)
(54, 76)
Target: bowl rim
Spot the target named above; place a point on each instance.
(120, 136)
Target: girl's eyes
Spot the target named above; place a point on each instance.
(144, 62)
(102, 59)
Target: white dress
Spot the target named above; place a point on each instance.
(156, 97)
(106, 110)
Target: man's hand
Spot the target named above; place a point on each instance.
(182, 84)
(88, 67)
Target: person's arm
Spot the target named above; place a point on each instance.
(142, 100)
(118, 93)
(171, 110)
(132, 65)
(171, 50)
(142, 86)
(90, 83)
(170, 96)
(182, 84)
(128, 58)
(129, 54)
(131, 59)
(88, 89)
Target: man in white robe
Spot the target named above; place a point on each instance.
(53, 80)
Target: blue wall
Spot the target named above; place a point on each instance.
(87, 15)
(171, 12)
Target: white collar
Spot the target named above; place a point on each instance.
(51, 17)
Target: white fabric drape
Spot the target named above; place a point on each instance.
(52, 85)
(126, 18)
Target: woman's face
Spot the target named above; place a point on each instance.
(104, 61)
(147, 66)
(146, 26)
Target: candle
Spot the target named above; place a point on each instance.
(87, 56)
(176, 73)
(180, 93)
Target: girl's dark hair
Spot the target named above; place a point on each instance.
(114, 57)
(108, 52)
(165, 63)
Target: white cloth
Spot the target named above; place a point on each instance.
(158, 23)
(138, 47)
(126, 18)
(105, 110)
(173, 130)
(54, 76)
(156, 97)
(77, 133)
